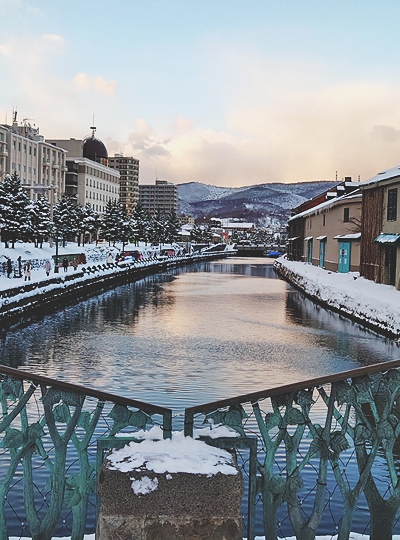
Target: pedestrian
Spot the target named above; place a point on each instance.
(19, 266)
(47, 267)
(9, 267)
(75, 263)
(27, 271)
(110, 258)
(65, 264)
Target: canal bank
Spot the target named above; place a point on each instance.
(372, 305)
(35, 298)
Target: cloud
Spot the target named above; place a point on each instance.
(83, 82)
(385, 134)
(182, 124)
(52, 38)
(342, 128)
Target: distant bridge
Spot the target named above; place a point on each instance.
(259, 250)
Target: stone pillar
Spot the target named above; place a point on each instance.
(144, 505)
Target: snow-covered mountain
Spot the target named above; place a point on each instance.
(252, 203)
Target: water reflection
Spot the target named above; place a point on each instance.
(198, 334)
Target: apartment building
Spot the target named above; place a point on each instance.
(128, 168)
(161, 196)
(89, 179)
(38, 163)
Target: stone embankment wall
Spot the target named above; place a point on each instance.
(37, 298)
(339, 303)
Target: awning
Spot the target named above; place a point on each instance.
(387, 238)
(293, 238)
(307, 238)
(354, 236)
(321, 238)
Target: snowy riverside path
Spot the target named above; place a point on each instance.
(373, 305)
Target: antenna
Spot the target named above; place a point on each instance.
(93, 127)
(336, 175)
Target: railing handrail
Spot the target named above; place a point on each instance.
(293, 387)
(84, 390)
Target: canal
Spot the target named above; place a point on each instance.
(210, 331)
(206, 332)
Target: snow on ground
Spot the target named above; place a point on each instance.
(38, 256)
(351, 294)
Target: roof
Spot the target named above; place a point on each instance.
(327, 204)
(94, 149)
(354, 236)
(387, 238)
(383, 175)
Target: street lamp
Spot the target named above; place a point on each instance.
(56, 261)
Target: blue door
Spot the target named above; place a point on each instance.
(309, 251)
(322, 246)
(344, 257)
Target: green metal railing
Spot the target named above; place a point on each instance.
(321, 456)
(49, 432)
(328, 453)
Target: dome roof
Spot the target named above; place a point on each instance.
(95, 150)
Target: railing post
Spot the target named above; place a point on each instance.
(189, 418)
(167, 424)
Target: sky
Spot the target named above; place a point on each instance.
(224, 92)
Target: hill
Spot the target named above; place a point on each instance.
(252, 203)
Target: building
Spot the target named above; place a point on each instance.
(38, 163)
(161, 196)
(380, 241)
(89, 179)
(186, 220)
(298, 249)
(128, 168)
(332, 233)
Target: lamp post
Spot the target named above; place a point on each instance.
(56, 261)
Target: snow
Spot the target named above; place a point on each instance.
(94, 255)
(179, 454)
(365, 300)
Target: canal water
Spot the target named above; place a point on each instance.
(210, 331)
(206, 332)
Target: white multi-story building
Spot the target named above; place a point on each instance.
(39, 164)
(89, 179)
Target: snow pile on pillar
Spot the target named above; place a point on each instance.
(179, 488)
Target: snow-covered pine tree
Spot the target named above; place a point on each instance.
(172, 227)
(111, 221)
(15, 216)
(40, 220)
(142, 224)
(65, 218)
(91, 222)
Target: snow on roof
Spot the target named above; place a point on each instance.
(383, 175)
(355, 236)
(327, 204)
(238, 225)
(385, 238)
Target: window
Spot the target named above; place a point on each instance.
(346, 215)
(323, 220)
(392, 205)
